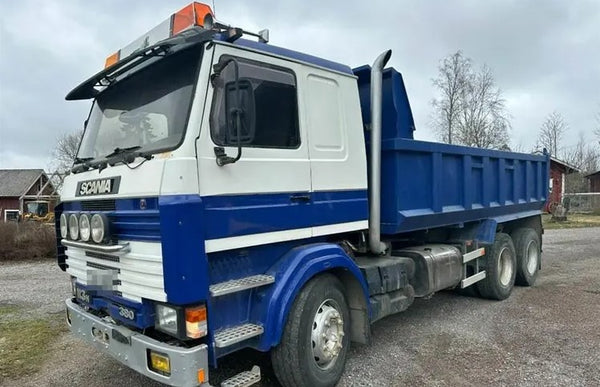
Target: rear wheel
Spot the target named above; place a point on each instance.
(527, 246)
(500, 267)
(314, 345)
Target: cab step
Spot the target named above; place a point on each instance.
(240, 284)
(234, 335)
(243, 379)
(472, 279)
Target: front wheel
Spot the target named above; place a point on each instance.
(314, 345)
(500, 269)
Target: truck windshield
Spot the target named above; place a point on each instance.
(147, 109)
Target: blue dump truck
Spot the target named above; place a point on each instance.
(231, 194)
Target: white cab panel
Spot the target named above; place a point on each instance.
(260, 170)
(335, 134)
(143, 181)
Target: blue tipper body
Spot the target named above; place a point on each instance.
(426, 185)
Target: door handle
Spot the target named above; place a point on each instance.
(302, 198)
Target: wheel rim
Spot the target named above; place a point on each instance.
(327, 334)
(532, 257)
(505, 268)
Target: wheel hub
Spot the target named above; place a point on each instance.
(505, 267)
(327, 334)
(532, 257)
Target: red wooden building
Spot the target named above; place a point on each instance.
(18, 187)
(558, 171)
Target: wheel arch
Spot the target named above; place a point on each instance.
(294, 270)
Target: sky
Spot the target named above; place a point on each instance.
(545, 55)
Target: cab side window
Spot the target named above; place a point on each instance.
(270, 106)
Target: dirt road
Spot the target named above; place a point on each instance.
(546, 335)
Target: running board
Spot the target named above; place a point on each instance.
(230, 336)
(472, 279)
(238, 285)
(243, 379)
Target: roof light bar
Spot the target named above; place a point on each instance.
(189, 16)
(192, 15)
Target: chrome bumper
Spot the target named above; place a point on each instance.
(130, 348)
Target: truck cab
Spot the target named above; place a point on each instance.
(153, 224)
(221, 200)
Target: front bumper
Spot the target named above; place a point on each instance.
(130, 348)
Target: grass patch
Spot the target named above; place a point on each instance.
(573, 221)
(25, 344)
(7, 309)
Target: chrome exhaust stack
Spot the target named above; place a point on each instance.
(375, 243)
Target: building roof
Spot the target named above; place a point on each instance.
(16, 182)
(592, 174)
(568, 166)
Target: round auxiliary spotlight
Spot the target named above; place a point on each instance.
(84, 227)
(64, 227)
(73, 227)
(99, 228)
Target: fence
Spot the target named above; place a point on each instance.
(582, 202)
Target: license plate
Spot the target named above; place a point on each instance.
(82, 295)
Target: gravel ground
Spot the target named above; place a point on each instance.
(545, 335)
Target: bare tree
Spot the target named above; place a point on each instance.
(452, 80)
(551, 133)
(597, 129)
(586, 158)
(66, 150)
(470, 109)
(484, 122)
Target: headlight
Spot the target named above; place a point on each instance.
(64, 228)
(166, 319)
(183, 323)
(99, 227)
(84, 227)
(73, 227)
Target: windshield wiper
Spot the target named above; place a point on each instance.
(81, 160)
(125, 156)
(120, 151)
(81, 164)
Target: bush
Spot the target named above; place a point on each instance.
(27, 240)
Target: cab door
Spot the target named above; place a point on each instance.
(264, 196)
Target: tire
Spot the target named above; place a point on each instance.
(295, 359)
(500, 266)
(527, 246)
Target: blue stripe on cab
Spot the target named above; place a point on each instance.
(235, 215)
(128, 220)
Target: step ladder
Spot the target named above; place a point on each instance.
(238, 285)
(243, 379)
(479, 275)
(233, 335)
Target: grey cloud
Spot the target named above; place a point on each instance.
(545, 55)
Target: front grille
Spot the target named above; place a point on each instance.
(102, 267)
(98, 205)
(105, 257)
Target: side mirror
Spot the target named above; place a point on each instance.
(239, 105)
